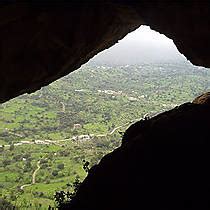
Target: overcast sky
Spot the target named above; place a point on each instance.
(140, 46)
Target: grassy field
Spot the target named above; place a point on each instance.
(94, 99)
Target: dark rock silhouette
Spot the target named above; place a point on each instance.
(41, 41)
(162, 164)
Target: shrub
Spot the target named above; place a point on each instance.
(6, 162)
(4, 204)
(60, 166)
(55, 173)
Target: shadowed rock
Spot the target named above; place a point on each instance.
(41, 41)
(162, 164)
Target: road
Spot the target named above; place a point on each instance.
(79, 137)
(57, 141)
(33, 181)
(35, 172)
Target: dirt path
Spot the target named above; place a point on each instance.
(25, 185)
(63, 107)
(119, 128)
(33, 177)
(35, 172)
(12, 133)
(54, 142)
(57, 142)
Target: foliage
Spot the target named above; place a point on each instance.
(62, 197)
(82, 116)
(60, 166)
(4, 204)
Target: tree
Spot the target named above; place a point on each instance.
(11, 147)
(6, 162)
(27, 166)
(4, 204)
(60, 166)
(2, 148)
(55, 173)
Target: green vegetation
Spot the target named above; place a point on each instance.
(46, 136)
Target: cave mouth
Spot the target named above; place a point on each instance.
(55, 132)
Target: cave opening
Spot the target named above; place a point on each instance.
(48, 136)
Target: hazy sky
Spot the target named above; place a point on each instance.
(140, 46)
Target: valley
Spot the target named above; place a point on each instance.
(46, 136)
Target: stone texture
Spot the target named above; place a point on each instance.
(203, 99)
(162, 164)
(42, 41)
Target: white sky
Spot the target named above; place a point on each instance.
(141, 46)
(144, 33)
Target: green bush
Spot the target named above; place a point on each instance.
(55, 173)
(60, 166)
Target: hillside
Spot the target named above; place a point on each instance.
(45, 136)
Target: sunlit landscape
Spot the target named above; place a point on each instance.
(47, 137)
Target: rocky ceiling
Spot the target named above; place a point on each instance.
(163, 162)
(41, 41)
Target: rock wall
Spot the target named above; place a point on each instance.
(41, 41)
(162, 164)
